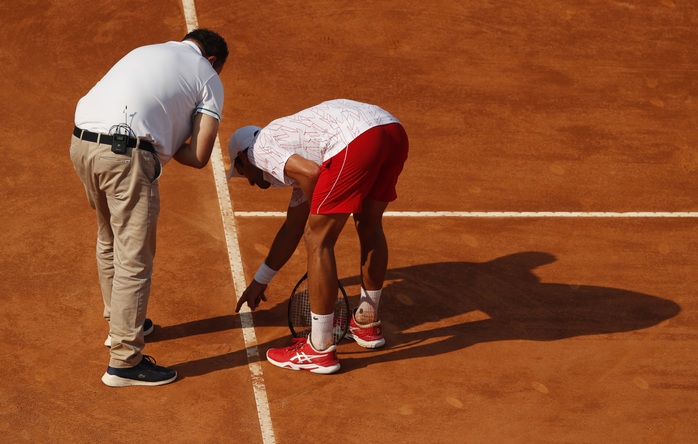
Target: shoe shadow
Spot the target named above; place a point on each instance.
(462, 303)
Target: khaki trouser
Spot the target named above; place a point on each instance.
(123, 189)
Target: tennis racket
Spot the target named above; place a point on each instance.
(299, 311)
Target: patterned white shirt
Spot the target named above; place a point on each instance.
(317, 133)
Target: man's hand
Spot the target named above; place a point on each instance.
(253, 295)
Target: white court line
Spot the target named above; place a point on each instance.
(500, 214)
(226, 207)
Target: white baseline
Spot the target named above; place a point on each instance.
(502, 214)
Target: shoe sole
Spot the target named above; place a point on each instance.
(117, 381)
(107, 342)
(312, 368)
(378, 343)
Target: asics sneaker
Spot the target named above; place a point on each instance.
(366, 335)
(303, 356)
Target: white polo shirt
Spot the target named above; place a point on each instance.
(316, 133)
(156, 90)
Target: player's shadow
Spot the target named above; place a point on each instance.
(436, 308)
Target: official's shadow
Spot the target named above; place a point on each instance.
(463, 303)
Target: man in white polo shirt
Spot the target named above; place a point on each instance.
(159, 102)
(341, 157)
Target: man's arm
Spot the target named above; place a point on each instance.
(285, 243)
(288, 237)
(303, 171)
(198, 151)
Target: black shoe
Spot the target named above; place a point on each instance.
(145, 373)
(148, 328)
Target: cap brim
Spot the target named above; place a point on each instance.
(242, 139)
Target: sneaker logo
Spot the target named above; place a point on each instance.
(303, 358)
(315, 318)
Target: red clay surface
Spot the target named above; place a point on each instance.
(498, 330)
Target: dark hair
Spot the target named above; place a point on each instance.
(212, 44)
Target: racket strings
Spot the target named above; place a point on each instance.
(299, 314)
(300, 319)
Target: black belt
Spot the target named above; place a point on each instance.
(107, 140)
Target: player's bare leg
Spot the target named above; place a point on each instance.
(321, 234)
(374, 258)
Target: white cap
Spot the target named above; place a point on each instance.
(241, 139)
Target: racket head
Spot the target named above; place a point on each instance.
(299, 321)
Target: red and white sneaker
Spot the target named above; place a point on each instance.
(303, 356)
(366, 335)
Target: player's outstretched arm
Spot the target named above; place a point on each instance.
(288, 236)
(285, 243)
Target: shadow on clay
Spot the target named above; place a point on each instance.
(462, 304)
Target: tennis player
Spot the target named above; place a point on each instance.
(342, 158)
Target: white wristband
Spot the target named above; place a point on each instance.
(265, 274)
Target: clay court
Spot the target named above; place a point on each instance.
(542, 278)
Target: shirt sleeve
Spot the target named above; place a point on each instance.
(270, 157)
(212, 98)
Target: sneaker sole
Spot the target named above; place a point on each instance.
(312, 368)
(117, 381)
(107, 342)
(378, 343)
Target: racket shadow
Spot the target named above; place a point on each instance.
(439, 308)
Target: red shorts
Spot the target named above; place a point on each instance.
(367, 168)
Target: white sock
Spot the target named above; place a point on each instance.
(367, 310)
(321, 328)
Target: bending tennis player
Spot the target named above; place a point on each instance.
(342, 158)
